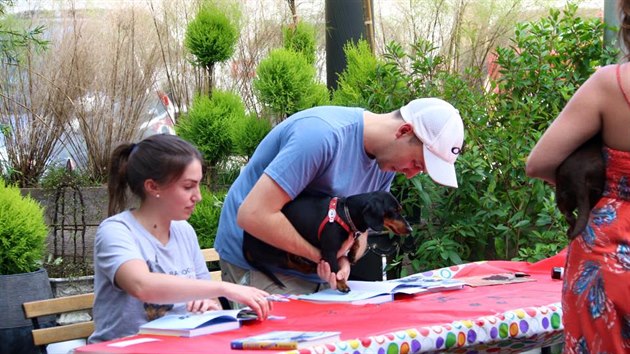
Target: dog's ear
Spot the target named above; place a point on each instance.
(373, 214)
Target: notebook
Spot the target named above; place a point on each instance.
(192, 324)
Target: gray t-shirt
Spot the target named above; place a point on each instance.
(122, 238)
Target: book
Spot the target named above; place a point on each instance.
(376, 292)
(285, 340)
(194, 324)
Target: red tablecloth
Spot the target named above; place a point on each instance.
(482, 318)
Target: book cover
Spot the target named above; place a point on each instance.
(285, 340)
(192, 324)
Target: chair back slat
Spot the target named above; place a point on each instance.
(58, 305)
(43, 336)
(57, 334)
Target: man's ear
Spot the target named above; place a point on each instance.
(404, 129)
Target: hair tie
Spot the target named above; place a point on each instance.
(134, 147)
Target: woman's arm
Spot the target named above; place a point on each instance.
(579, 121)
(135, 278)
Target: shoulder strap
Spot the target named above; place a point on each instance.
(619, 83)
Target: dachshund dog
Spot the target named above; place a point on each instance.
(327, 223)
(580, 184)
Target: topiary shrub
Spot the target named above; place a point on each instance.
(23, 231)
(301, 38)
(247, 133)
(207, 125)
(205, 218)
(285, 83)
(211, 37)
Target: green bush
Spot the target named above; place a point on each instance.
(208, 125)
(248, 133)
(285, 83)
(546, 63)
(367, 80)
(205, 218)
(497, 212)
(301, 39)
(59, 175)
(211, 36)
(23, 232)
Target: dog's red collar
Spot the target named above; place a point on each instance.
(332, 217)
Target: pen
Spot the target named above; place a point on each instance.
(277, 298)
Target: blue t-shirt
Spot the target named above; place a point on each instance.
(121, 238)
(319, 150)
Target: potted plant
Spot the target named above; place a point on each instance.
(23, 232)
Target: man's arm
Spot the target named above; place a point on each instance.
(260, 214)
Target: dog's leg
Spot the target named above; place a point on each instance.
(329, 250)
(583, 214)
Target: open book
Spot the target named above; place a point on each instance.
(376, 292)
(284, 340)
(193, 324)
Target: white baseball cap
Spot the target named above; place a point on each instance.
(440, 128)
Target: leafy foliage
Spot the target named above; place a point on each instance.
(497, 212)
(22, 231)
(57, 176)
(207, 125)
(300, 38)
(285, 83)
(14, 40)
(205, 218)
(248, 133)
(211, 36)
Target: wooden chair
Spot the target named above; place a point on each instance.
(44, 336)
(211, 255)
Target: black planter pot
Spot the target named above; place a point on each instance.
(15, 329)
(380, 252)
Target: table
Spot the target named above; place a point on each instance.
(500, 318)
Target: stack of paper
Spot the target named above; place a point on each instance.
(376, 292)
(429, 284)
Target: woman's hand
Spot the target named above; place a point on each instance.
(324, 271)
(255, 298)
(202, 305)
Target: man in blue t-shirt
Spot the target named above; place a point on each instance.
(335, 151)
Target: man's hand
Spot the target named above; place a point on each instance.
(324, 271)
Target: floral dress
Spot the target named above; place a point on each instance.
(596, 289)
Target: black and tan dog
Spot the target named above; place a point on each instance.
(580, 184)
(327, 223)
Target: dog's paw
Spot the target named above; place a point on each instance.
(343, 287)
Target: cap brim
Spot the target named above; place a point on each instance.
(439, 170)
